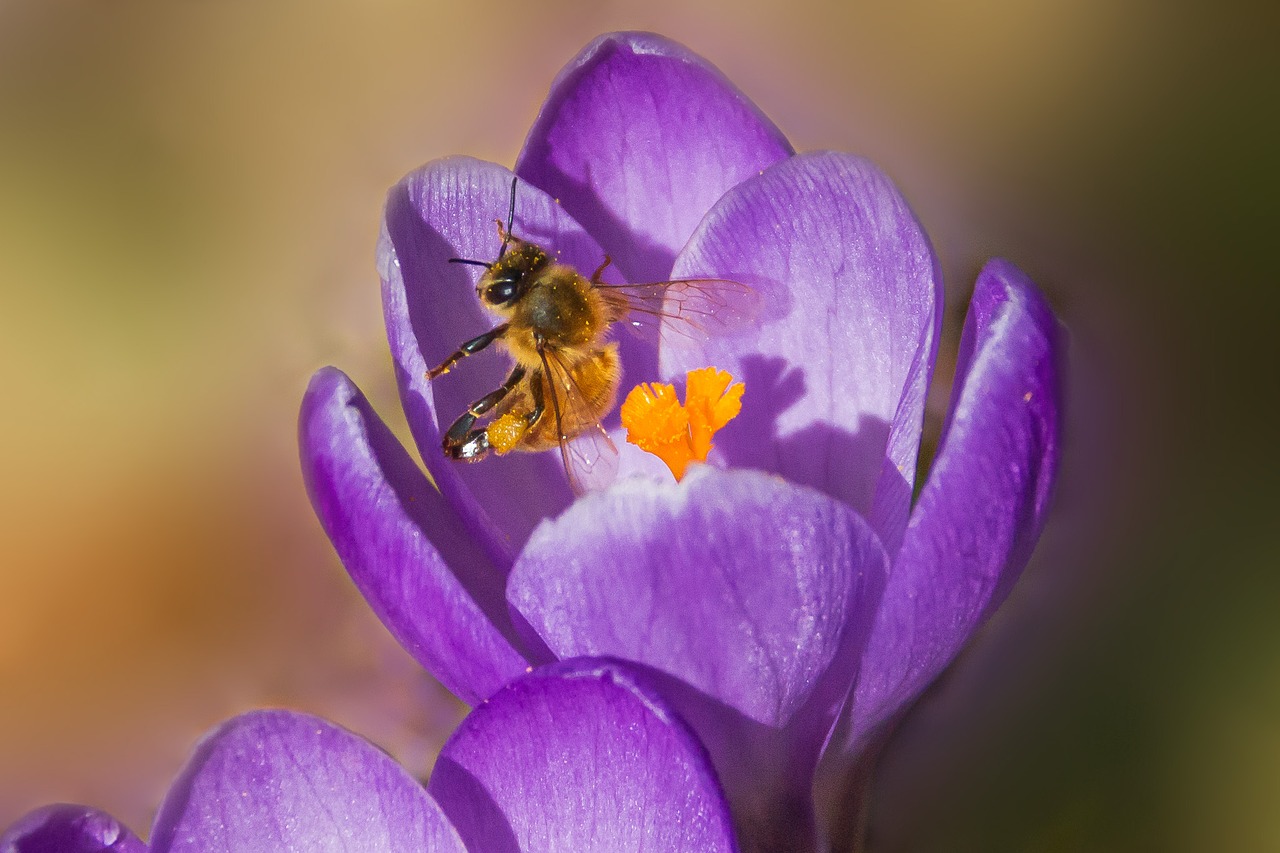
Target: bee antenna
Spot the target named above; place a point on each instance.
(511, 218)
(484, 264)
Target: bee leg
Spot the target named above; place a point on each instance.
(595, 276)
(471, 347)
(534, 415)
(464, 440)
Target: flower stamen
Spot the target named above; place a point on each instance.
(678, 435)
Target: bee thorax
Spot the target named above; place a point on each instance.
(562, 313)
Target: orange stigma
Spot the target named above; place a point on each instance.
(678, 435)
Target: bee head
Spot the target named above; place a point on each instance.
(508, 279)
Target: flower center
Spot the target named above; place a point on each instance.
(678, 435)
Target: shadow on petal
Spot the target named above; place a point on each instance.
(806, 456)
(472, 809)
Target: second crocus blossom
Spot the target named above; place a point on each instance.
(582, 755)
(768, 604)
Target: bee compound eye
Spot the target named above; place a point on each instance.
(501, 291)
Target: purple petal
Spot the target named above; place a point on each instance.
(755, 593)
(446, 210)
(276, 780)
(983, 506)
(733, 581)
(638, 138)
(580, 756)
(69, 829)
(837, 374)
(407, 550)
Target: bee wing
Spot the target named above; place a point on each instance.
(589, 454)
(695, 308)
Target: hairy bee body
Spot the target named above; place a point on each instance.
(556, 324)
(595, 379)
(561, 309)
(562, 313)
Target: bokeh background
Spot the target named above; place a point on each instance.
(190, 193)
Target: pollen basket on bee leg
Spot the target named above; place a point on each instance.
(505, 433)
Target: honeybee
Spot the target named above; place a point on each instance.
(556, 325)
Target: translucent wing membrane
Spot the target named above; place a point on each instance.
(694, 308)
(563, 398)
(590, 456)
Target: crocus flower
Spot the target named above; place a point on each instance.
(788, 598)
(581, 755)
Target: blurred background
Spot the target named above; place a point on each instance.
(190, 193)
